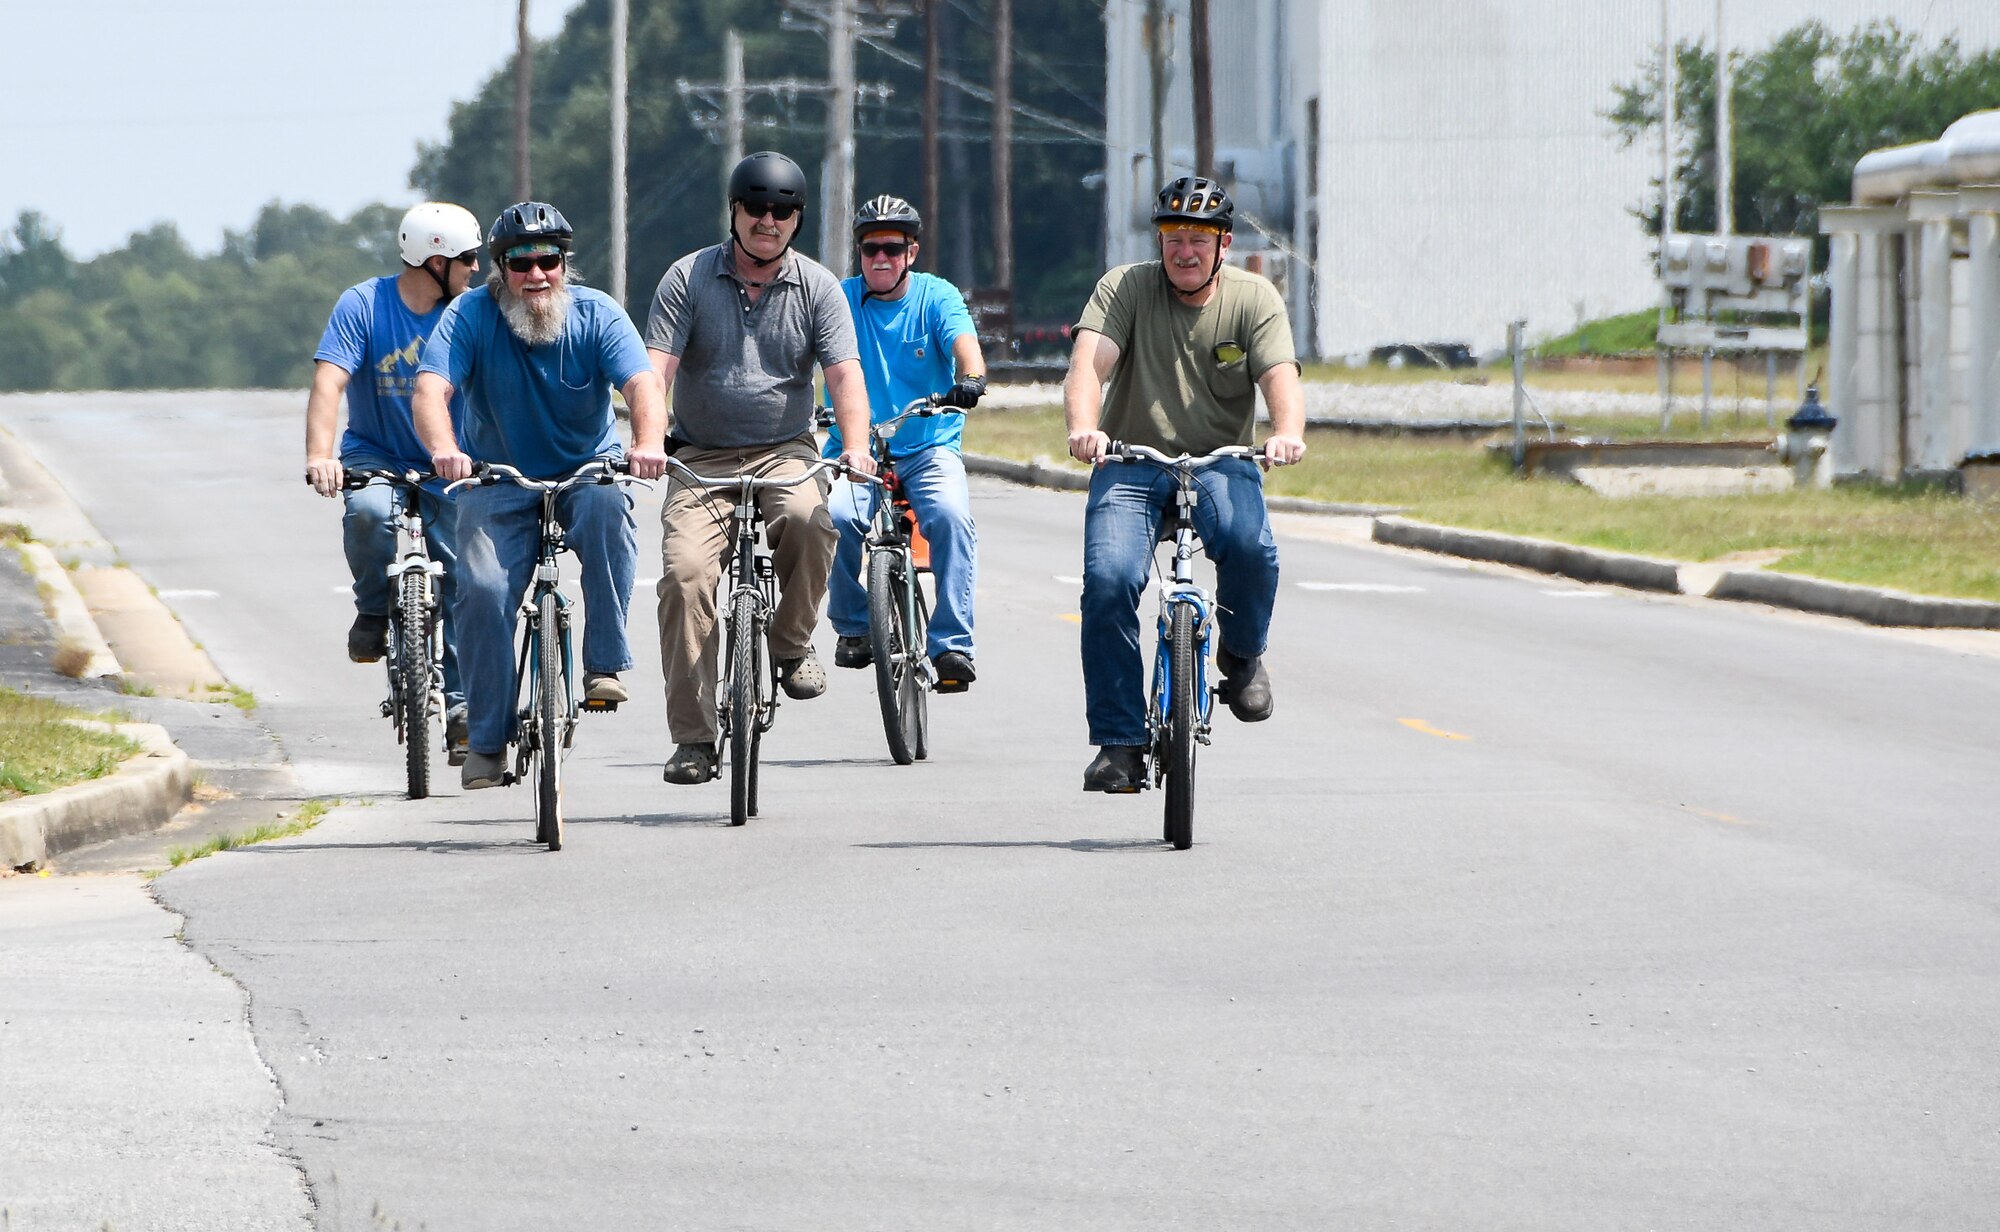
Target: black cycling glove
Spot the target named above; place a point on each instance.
(966, 394)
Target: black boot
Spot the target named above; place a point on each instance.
(1245, 687)
(1117, 768)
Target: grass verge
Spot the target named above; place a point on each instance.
(306, 818)
(1905, 537)
(41, 750)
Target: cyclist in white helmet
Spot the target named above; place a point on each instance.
(377, 333)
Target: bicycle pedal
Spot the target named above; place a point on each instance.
(595, 704)
(952, 686)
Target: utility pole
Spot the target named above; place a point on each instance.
(1725, 157)
(1159, 41)
(1669, 83)
(1204, 100)
(524, 83)
(621, 13)
(933, 19)
(1003, 150)
(732, 113)
(837, 180)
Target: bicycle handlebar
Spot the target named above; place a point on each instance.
(353, 479)
(485, 474)
(1119, 451)
(921, 408)
(758, 482)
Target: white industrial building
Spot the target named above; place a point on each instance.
(1445, 165)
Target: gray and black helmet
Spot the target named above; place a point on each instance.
(1195, 199)
(887, 213)
(530, 222)
(768, 178)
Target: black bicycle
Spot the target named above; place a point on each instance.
(899, 617)
(415, 661)
(746, 696)
(1181, 699)
(547, 706)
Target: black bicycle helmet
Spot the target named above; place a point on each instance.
(768, 178)
(530, 222)
(887, 213)
(1197, 199)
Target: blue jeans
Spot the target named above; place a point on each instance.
(368, 533)
(1128, 503)
(499, 533)
(934, 481)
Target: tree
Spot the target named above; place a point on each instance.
(1807, 107)
(32, 258)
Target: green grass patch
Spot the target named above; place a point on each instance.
(306, 818)
(40, 750)
(1907, 537)
(1633, 333)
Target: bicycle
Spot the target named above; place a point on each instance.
(545, 669)
(746, 697)
(415, 661)
(1181, 698)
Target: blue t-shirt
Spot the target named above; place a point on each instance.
(544, 410)
(906, 355)
(375, 338)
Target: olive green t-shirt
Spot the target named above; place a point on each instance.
(1170, 389)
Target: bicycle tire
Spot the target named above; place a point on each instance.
(412, 667)
(743, 708)
(1182, 721)
(920, 637)
(548, 723)
(895, 670)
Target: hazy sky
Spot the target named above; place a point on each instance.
(126, 112)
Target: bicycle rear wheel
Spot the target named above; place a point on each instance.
(548, 721)
(1182, 720)
(896, 683)
(411, 668)
(743, 708)
(920, 637)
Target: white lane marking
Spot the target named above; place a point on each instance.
(1576, 594)
(1367, 588)
(651, 581)
(190, 594)
(342, 590)
(1069, 581)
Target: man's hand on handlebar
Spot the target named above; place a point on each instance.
(452, 465)
(857, 460)
(325, 475)
(1283, 451)
(966, 394)
(1088, 446)
(646, 463)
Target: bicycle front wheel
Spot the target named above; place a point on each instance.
(743, 708)
(411, 668)
(1182, 720)
(897, 685)
(548, 721)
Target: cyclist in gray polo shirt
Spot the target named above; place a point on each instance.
(735, 332)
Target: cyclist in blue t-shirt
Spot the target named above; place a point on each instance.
(377, 332)
(536, 359)
(913, 330)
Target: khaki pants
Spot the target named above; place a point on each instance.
(695, 546)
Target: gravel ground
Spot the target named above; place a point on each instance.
(1431, 400)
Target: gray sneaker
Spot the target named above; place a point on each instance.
(691, 763)
(604, 687)
(483, 770)
(802, 677)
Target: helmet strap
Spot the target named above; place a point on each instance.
(736, 238)
(443, 280)
(1213, 270)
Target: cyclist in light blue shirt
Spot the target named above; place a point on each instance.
(377, 333)
(913, 330)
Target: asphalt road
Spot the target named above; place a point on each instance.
(1537, 906)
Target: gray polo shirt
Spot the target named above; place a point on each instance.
(746, 374)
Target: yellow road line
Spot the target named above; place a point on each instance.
(1418, 725)
(1722, 817)
(1075, 618)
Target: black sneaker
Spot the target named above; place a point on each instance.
(1245, 687)
(368, 638)
(852, 651)
(1118, 768)
(954, 671)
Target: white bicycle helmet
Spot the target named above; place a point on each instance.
(437, 229)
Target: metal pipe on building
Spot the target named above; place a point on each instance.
(1982, 376)
(1725, 154)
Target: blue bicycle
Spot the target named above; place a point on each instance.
(1182, 698)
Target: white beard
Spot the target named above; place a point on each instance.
(538, 323)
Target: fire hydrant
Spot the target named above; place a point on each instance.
(1804, 443)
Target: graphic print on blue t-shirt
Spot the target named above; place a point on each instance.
(906, 354)
(375, 338)
(544, 410)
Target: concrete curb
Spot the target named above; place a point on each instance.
(1541, 555)
(1040, 474)
(74, 624)
(1864, 603)
(142, 794)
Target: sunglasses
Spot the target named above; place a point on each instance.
(468, 258)
(876, 248)
(547, 261)
(779, 213)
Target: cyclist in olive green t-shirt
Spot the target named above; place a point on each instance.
(1185, 342)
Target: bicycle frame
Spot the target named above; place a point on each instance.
(893, 527)
(527, 667)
